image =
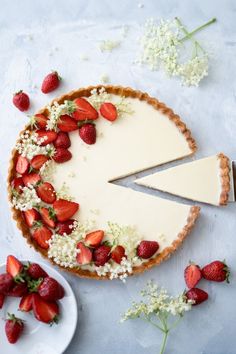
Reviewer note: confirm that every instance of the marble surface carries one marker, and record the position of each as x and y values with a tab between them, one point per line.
37	36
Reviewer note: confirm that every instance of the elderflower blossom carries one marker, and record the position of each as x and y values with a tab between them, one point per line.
48	170
115	270
64	192
30	145
55	111
109	45
194	70
27	199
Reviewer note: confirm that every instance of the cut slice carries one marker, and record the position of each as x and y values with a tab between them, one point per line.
206	180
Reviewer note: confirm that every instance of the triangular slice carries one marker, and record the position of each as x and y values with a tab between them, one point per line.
206	180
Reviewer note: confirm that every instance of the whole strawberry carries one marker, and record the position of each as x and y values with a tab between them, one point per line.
35	271
197	295
21	101
62	140
50	82
146	249
14	327
51	290
88	133
216	271
101	255
192	275
6	283
61	155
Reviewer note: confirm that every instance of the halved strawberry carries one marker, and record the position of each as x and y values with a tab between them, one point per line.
46	192
66	123
31	215
17	184
192	275
45	311
48	217
22	165
65	209
31	178
42	235
62	155
85	255
108	110
2	298
14	267
40	120
94	238
62	140
38	161
48	135
26	303
118	253
65	227
84	110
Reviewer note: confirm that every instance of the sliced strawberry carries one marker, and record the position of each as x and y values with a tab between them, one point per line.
65	227
35	271
22	165
94	238
118	254
31	178
101	255
62	155
65	209
6	283
84	110
88	133
31	215
48	217
38	161
192	275
66	123
2	298
197	295
46	192
14	267
85	255
17	184
62	140
42	235
48	135
26	303
40	120
45	311
108	111
18	290
146	249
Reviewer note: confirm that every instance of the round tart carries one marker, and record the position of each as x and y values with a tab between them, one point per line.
63	182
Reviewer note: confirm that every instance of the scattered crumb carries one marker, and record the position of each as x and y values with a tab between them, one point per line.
71	174
104	78
95	211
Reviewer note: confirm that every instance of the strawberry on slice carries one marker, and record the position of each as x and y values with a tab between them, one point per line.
65	227
62	155
88	134
66	123
65	209
17	184
118	254
22	165
35	271
46	192
18	290
62	140
216	271
42	235
192	275
21	101
48	136
101	255
14	267
197	295
13	328
31	215
85	254
146	249
83	110
38	161
108	110
94	238
45	311
26	303
2	299
50	82
51	290
48	217
6	283
39	120
31	178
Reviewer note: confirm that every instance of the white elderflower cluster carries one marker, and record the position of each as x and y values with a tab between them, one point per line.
194	70
48	170
64	192
55	111
123	107
27	199
109	45
120	271
29	145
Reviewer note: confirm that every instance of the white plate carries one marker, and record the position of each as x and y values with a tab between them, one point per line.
39	337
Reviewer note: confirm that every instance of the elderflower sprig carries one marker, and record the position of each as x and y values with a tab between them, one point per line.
159	310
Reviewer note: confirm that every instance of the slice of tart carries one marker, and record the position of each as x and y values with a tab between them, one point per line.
206	180
60	182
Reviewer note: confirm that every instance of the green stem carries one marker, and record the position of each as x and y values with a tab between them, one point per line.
164	342
154	324
190	34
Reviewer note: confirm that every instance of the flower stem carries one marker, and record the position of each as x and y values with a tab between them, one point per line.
164	342
190	34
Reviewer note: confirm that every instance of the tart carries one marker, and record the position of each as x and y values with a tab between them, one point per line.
206	180
61	182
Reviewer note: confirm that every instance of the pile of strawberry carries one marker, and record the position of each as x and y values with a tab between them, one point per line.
38	292
216	271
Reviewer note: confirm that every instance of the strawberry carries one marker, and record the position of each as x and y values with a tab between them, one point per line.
40	121
192	275
83	110
18	290
94	238
118	253
17	184
31	178
31	215
101	255
21	101
51	290
44	311
22	165
197	295
26	303
87	132
50	82
2	299
65	209
66	123
62	155
108	111
46	192
42	235
38	161
14	327
35	271
62	140
216	271
48	217
65	227
14	267
85	255
48	135
6	283
147	249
